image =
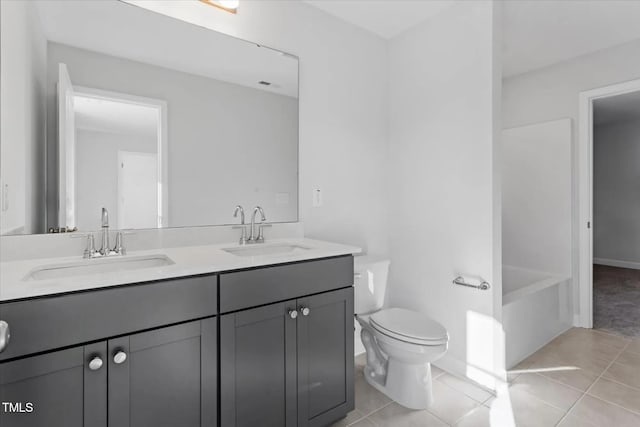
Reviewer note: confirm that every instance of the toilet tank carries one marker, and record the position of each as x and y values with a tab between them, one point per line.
370	283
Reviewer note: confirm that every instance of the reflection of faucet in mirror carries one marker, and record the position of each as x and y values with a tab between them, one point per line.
260	237
104	250
243	235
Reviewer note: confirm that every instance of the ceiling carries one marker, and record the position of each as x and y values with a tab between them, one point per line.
104	115
115	28
382	17
537	33
540	33
616	109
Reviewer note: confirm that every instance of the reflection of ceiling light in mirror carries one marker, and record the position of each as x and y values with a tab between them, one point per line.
226	5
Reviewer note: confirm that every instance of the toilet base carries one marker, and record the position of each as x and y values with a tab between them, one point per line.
407	384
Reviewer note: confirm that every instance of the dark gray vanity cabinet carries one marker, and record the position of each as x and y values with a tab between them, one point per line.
325	357
131	356
165	377
268	346
288	364
56	389
258	367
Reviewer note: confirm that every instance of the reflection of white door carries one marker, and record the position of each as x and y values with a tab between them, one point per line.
137	190
66	150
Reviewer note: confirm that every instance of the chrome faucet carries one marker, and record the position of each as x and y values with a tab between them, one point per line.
243	235
105	250
253	238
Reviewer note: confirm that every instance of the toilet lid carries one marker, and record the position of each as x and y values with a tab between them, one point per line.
409	325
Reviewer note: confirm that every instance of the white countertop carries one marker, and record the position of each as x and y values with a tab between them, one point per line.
188	261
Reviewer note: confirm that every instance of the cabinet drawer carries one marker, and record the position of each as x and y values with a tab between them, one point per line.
244	289
46	323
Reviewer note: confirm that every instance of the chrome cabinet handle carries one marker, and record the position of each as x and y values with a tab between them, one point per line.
119	357
305	311
95	363
293	313
5	334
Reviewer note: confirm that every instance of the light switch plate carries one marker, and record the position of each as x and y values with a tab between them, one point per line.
317	197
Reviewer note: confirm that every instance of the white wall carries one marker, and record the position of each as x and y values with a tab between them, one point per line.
97	172
343	110
552	93
616	203
22	116
536	197
445	199
227	144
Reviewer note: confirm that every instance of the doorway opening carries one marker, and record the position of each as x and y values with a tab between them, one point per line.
609	209
112	154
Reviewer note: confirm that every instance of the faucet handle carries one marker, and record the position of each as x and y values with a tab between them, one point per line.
261	227
243	234
90	250
119	247
105	218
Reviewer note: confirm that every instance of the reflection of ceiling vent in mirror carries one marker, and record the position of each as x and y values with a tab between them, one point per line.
230	6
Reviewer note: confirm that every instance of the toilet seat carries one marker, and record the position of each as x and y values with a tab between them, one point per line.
409	326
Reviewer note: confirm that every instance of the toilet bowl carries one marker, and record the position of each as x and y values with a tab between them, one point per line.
400	344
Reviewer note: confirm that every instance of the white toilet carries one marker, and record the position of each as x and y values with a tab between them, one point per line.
400	343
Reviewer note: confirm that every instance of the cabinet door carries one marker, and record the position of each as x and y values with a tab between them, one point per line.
167	379
60	386
325	357
258	367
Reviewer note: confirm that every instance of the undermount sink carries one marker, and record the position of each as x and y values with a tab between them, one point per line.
259	249
98	266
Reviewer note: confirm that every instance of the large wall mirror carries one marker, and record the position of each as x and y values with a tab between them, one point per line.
161	122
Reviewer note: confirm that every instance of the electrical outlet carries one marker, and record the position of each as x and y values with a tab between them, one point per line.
317	198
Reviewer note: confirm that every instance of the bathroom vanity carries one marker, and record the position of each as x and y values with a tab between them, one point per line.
268	345
157	325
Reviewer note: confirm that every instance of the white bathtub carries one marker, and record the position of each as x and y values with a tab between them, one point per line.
536	307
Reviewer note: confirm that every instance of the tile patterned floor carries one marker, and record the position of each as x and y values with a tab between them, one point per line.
583	378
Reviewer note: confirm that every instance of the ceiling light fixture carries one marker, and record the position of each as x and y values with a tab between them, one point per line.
230	6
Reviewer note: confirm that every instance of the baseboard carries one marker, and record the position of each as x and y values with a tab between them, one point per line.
617	263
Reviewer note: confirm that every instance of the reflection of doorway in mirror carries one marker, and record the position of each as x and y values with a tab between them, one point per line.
137	195
121	159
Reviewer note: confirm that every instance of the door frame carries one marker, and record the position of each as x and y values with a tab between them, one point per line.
163	143
585	193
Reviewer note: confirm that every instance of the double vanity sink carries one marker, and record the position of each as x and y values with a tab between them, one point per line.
125	263
214	335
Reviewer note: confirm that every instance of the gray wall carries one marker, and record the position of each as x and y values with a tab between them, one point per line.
616	188
97	158
228	144
22	113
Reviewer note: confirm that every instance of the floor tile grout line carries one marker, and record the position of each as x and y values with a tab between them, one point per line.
544	402
462	392
615	404
621	383
581	398
556	381
465	394
373	412
465	414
